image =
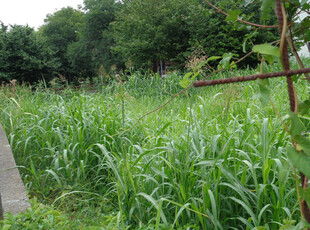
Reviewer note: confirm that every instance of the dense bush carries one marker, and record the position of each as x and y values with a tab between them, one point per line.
24	56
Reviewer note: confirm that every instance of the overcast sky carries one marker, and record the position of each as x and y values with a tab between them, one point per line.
31	12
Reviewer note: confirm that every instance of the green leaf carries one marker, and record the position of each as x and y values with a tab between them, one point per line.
233	65
305	194
303	107
6	227
305	4
297	127
267	49
303	144
225	62
185	81
284	169
299	160
213	58
266	9
155	204
269	59
246	38
233	15
194	77
264	91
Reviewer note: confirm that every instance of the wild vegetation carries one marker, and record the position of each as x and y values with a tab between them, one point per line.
108	35
215	159
224	157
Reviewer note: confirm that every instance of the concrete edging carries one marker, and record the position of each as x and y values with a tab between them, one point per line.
13	197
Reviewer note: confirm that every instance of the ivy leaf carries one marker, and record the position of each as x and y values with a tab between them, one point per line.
299	160
267	49
233	15
264	91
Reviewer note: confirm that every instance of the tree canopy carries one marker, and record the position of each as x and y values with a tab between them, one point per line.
107	34
60	30
24	56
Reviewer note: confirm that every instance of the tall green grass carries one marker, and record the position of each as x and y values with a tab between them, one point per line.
215	160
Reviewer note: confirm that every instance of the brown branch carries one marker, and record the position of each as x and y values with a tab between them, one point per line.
291	44
250	78
240	20
308	12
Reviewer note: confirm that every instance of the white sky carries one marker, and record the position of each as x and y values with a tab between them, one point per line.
31	12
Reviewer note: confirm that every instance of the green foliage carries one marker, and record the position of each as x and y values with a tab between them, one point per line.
267	49
92	51
109	34
188	79
218	34
39	216
299	160
61	29
229	172
153	30
233	15
226	63
299	156
24	56
264	91
267	7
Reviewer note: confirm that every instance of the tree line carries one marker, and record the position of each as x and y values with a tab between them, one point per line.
107	35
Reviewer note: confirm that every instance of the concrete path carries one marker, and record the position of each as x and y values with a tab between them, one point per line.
13	197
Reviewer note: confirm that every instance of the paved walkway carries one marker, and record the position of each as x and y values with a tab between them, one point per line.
13	197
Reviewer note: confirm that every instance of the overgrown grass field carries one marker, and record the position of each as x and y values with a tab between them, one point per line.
213	160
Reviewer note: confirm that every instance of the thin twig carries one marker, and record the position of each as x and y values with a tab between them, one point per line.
240	20
291	44
308	12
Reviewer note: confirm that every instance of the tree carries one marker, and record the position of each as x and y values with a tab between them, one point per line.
218	34
60	30
24	56
93	50
153	30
